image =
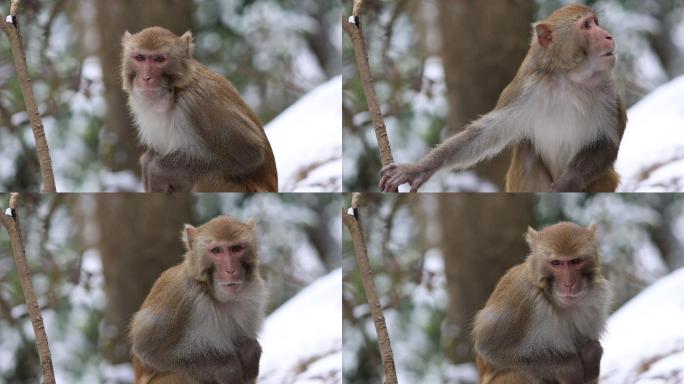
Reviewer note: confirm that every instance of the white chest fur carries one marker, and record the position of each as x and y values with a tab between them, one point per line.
219	327
564	330
164	127
563	119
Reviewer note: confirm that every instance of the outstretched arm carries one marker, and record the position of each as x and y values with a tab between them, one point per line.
483	138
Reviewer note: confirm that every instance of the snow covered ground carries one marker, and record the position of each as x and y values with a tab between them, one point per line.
644	342
302	340
307	141
651	157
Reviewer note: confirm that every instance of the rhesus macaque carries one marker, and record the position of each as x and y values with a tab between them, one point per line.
200	134
543	320
199	322
560	113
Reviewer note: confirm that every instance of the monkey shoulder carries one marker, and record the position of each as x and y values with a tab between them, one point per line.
507	311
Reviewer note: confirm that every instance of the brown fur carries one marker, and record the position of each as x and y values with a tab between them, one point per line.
157	330
241	156
502	328
560	52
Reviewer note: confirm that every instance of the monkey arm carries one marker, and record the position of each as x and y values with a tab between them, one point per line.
586	166
156	328
225	123
482	139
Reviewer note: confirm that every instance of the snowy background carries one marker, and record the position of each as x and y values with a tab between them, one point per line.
283	56
409	77
642	246
299	239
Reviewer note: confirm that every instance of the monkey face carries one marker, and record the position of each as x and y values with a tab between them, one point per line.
228	267
600	44
568	281
148	69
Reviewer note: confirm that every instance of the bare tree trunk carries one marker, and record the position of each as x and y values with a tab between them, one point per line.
482	236
483	43
120	148
139	239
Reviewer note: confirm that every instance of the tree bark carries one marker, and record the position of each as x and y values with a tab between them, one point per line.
353	223
483	44
10	220
482	237
139	239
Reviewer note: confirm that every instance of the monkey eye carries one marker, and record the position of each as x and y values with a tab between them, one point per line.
587	24
596	21
159	59
215	250
575	261
555	263
236	248
139	57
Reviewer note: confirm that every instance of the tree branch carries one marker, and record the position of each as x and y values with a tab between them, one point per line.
10	26
10	220
353	29
352	222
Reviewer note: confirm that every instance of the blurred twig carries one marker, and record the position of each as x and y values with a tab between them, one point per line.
10	26
10	220
353	224
353	28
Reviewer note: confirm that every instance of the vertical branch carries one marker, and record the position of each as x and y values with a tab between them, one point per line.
10	26
353	28
352	222
10	220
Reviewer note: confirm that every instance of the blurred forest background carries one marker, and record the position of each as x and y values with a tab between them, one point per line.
94	258
274	52
437	257
439	64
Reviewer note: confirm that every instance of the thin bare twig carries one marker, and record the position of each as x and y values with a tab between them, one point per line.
353	29
10	220
351	221
10	26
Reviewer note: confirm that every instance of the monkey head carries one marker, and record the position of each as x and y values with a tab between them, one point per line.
571	40
155	61
222	254
564	261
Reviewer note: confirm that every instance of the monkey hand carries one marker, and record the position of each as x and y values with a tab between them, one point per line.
590	354
160	177
393	175
569	182
249	354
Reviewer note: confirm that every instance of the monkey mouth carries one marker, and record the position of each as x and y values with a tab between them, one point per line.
231	286
569	299
609	53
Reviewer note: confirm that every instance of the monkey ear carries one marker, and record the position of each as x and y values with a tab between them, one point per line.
531	235
188	236
592	228
187	41
544	35
125	38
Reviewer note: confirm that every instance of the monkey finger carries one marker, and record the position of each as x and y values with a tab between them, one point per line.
382	182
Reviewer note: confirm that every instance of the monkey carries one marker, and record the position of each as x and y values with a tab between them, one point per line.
560	113
199	323
543	321
200	134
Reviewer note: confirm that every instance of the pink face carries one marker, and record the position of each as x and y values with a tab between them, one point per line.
601	43
568	283
229	270
149	68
